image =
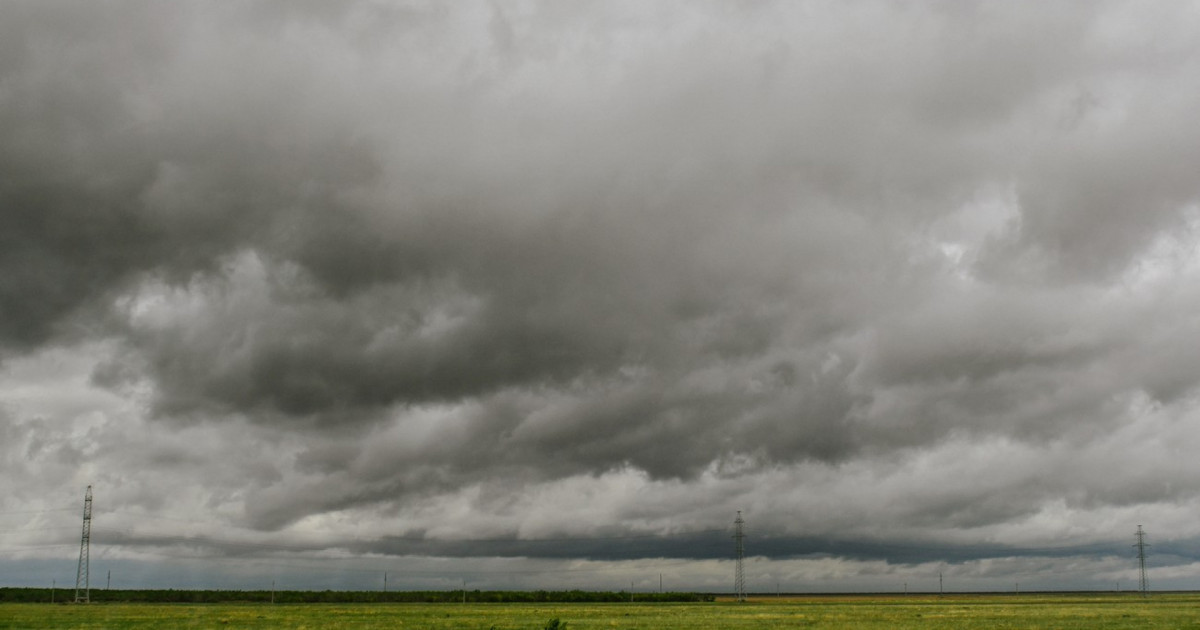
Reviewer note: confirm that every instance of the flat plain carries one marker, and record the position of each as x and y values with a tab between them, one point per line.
1056	611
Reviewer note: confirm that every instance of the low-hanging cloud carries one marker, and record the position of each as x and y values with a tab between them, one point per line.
401	258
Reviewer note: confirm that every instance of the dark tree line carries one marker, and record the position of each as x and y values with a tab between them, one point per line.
173	596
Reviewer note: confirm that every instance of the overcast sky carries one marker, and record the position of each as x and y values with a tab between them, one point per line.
543	293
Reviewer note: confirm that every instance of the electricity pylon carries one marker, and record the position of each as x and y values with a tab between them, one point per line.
1141	545
83	589
739	547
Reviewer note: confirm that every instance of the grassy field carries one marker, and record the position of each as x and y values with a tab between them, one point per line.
867	612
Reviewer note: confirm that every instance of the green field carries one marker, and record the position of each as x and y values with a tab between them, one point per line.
865	612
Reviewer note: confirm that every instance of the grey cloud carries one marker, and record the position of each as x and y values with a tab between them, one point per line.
412	248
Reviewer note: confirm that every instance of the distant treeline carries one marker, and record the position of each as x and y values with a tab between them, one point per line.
167	596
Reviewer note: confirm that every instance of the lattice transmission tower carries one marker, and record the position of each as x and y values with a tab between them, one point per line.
83	589
739	551
1141	544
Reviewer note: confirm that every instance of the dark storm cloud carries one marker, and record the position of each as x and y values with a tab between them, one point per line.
110	173
704	545
412	251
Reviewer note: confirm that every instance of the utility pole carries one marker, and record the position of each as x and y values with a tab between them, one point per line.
1141	545
82	575
739	550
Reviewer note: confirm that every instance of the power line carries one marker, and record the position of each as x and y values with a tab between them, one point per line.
23	548
127	537
242	544
35	529
428	539
355	565
835	547
7	512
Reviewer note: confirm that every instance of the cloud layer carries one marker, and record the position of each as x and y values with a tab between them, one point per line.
379	272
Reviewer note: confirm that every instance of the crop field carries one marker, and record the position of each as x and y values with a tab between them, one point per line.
865	612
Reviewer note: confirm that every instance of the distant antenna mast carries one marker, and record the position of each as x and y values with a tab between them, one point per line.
739	550
1141	545
83	589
